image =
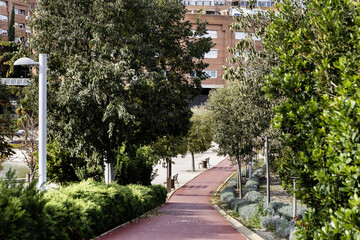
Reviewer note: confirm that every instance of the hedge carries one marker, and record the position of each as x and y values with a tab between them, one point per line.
276	217
78	211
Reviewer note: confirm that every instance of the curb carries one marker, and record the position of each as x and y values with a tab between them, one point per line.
250	235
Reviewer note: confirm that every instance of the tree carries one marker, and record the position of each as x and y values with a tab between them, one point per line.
11	32
166	148
27	120
5	122
118	72
241	111
200	135
316	45
237	120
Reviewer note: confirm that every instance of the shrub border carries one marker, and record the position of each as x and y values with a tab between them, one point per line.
235	223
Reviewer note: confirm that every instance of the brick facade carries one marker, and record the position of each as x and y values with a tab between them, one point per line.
22	12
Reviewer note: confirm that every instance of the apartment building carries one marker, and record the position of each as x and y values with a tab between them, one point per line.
219	15
22	12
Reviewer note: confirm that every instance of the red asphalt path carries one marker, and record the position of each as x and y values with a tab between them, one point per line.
187	215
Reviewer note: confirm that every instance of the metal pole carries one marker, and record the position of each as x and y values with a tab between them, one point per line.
42	121
294	200
267	171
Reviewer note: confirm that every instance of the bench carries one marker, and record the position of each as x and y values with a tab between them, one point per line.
173	181
205	162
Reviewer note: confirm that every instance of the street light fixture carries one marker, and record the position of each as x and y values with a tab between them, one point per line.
42	112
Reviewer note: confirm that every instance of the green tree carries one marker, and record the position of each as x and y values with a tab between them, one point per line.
5	123
166	148
118	72
237	120
241	111
316	44
11	32
201	134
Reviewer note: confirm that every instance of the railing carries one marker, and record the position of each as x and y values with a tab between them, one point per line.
16	81
206	3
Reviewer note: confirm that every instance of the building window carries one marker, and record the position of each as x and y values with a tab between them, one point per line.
240	35
3	18
2	4
211	73
22	12
16	11
3	32
212	54
20	25
212	34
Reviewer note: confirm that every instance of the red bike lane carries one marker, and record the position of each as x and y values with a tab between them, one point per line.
187	215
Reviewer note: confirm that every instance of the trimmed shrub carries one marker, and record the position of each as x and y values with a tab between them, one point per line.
78	211
280	226
248	211
259	172
89	208
22	210
238	203
276	205
254	181
250	188
227	195
232	182
283	228
253	196
287	211
269	222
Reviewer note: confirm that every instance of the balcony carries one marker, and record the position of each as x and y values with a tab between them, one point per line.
16	81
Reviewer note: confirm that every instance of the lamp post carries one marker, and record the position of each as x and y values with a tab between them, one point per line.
42	112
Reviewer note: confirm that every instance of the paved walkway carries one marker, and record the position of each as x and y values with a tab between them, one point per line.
187	215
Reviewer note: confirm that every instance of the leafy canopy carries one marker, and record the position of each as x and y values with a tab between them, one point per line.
118	71
317	48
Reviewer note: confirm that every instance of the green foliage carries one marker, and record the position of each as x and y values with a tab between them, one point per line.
22	210
9	53
118	72
61	166
201	134
78	211
137	168
11	31
89	208
5	123
318	52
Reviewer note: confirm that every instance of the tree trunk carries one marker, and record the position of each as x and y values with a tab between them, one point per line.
168	179
109	163
109	172
193	161
239	177
267	171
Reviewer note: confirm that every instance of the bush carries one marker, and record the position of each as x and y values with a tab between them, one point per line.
248	211
78	211
250	188
90	208
254	181
253	196
22	210
238	203
259	172
283	228
276	205
287	211
227	195
280	226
